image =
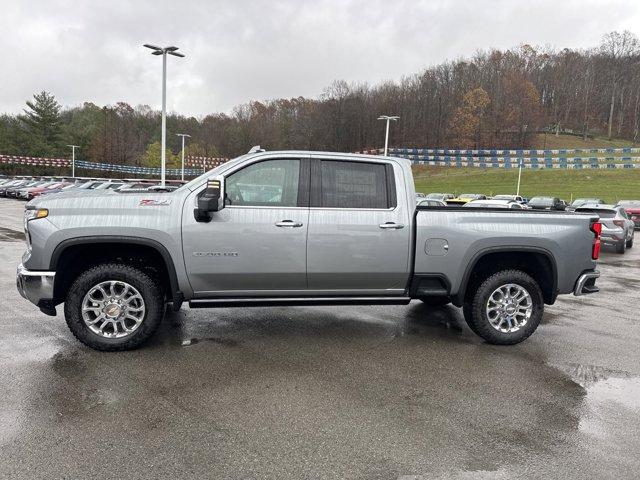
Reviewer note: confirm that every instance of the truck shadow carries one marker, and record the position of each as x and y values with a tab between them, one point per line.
231	327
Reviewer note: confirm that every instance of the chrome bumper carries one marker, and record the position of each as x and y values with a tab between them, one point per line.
37	287
587	283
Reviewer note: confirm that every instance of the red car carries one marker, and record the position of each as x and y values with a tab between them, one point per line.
37	191
632	207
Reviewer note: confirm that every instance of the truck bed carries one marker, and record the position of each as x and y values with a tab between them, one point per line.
450	240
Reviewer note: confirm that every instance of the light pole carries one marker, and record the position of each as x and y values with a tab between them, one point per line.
164	51
73	159
386	136
519	174
183	135
524	132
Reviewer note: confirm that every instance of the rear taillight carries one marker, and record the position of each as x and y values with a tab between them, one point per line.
618	223
596	228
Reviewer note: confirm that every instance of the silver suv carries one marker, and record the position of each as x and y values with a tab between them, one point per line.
617	227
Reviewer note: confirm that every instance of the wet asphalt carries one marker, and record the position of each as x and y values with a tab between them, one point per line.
324	392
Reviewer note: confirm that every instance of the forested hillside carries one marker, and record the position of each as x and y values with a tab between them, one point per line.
494	99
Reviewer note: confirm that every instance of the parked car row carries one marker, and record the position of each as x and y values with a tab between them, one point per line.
28	188
618	221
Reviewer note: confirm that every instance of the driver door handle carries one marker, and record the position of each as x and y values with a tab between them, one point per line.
391	225
289	223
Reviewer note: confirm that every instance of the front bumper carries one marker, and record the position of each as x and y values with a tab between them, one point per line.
36	286
587	283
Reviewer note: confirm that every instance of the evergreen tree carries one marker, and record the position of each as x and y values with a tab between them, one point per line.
42	121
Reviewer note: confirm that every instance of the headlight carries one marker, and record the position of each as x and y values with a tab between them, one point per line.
32	214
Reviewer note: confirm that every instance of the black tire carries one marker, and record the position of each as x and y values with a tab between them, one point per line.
621	247
630	242
149	290
475	312
435	301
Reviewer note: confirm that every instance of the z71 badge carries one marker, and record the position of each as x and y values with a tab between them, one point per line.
151	202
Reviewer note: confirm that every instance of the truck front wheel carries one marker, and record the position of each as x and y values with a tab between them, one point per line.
114	307
505	308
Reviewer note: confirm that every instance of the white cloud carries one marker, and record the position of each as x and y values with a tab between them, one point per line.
243	50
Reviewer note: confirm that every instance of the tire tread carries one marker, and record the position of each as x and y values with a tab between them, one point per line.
143	282
474	307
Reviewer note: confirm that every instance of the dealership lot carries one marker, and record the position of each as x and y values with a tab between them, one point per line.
324	392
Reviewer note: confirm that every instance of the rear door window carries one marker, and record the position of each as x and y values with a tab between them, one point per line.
355	185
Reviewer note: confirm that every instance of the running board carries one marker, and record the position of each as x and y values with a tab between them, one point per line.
296	301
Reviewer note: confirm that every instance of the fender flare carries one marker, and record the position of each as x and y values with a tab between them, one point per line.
176	295
458	299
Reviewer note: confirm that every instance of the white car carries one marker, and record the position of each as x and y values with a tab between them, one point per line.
495	203
515	198
431	202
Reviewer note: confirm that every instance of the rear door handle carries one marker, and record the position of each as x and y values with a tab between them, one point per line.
288	223
391	226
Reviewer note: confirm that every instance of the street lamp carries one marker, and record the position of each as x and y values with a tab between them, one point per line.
386	137
183	135
521	160
164	51
73	159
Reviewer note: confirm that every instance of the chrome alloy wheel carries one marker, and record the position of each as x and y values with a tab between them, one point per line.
113	309
509	308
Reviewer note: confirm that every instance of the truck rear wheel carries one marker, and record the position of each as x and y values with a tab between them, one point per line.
114	307
505	308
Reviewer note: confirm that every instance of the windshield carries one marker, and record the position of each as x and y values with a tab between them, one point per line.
503	197
215	171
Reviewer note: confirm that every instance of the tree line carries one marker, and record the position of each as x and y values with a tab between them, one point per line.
495	98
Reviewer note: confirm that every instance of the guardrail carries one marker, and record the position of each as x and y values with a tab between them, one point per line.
199	163
533	159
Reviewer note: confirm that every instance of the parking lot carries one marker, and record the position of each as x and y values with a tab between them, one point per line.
324	392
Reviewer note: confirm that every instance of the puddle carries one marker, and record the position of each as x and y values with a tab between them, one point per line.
8	235
612	400
588	375
609	403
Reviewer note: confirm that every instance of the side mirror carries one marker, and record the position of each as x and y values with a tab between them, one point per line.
210	200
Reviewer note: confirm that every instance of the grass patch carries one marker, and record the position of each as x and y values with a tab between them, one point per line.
610	185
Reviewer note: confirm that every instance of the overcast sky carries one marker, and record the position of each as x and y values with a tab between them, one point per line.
254	50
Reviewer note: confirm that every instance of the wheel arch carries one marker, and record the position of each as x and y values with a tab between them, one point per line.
109	247
536	261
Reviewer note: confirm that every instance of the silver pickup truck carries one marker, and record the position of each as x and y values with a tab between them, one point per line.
296	228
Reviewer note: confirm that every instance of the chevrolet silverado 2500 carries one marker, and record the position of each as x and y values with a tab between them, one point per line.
296	228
